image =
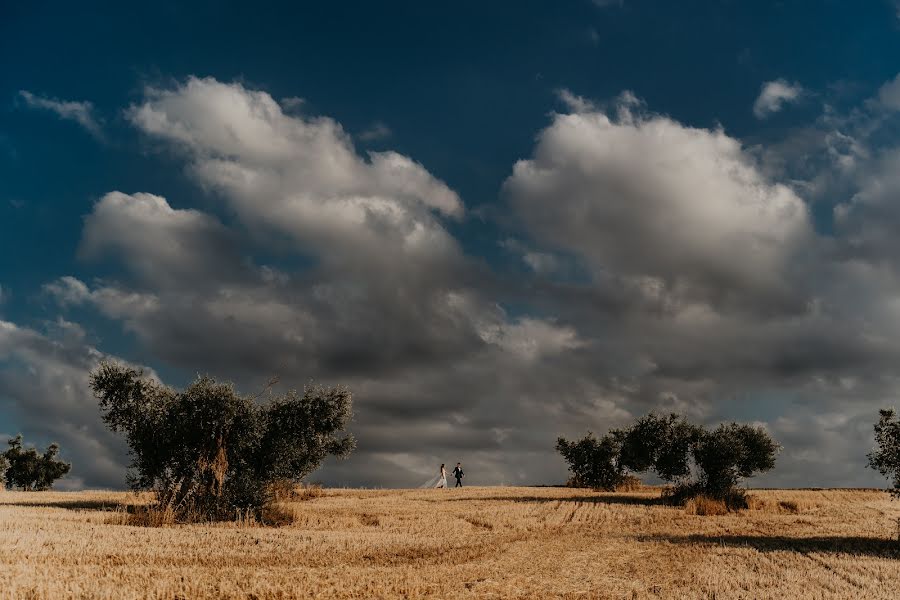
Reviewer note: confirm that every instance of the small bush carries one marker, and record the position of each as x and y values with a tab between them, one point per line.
705	506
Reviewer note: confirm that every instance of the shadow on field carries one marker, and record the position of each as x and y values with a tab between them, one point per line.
73	505
859	546
617	499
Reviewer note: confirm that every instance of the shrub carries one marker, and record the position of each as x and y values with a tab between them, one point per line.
211	454
29	470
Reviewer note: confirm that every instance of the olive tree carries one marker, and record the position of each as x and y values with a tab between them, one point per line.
29	470
730	453
208	451
593	462
885	457
660	443
695	460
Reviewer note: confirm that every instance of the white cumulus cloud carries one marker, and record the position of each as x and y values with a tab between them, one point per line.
302	177
644	196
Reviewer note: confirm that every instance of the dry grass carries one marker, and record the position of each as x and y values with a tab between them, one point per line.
469	543
705	507
288	491
630	483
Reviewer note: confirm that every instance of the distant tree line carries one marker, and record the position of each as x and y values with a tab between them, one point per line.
695	460
28	470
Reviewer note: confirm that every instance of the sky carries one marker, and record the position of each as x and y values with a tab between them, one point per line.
496	222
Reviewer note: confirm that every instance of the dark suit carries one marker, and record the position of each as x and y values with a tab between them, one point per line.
457	472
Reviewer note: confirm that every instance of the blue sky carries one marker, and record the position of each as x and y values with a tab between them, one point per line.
622	309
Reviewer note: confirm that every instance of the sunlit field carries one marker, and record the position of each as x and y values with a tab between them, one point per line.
469	543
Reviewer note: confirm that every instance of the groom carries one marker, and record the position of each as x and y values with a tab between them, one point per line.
458	473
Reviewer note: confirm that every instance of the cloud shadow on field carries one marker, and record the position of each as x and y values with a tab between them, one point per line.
853	545
71	504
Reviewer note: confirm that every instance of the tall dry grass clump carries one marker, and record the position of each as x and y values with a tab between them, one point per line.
151	516
705	506
776	506
285	490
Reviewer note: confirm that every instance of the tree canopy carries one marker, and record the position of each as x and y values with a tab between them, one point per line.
29	470
210	451
593	462
661	443
698	461
885	457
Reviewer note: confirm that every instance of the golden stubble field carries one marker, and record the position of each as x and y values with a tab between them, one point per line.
471	543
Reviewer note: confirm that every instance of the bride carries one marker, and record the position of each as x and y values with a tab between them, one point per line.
442	478
438	481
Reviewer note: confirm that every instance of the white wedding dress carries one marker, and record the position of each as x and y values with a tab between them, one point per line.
438	481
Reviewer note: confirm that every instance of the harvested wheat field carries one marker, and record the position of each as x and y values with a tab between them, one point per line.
469	543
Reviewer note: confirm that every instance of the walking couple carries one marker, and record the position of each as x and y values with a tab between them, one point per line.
457	473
